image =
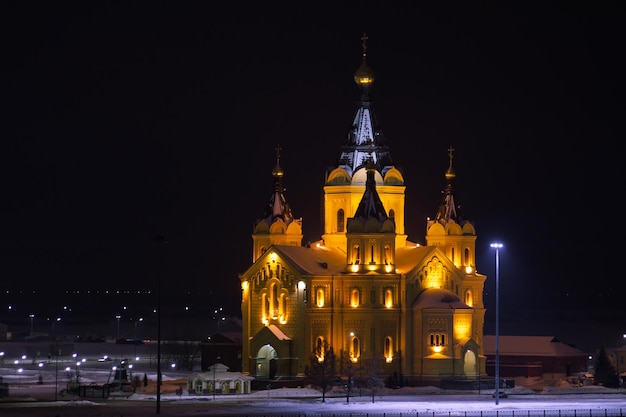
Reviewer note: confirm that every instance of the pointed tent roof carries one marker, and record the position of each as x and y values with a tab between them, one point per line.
371	206
277	206
365	140
448	209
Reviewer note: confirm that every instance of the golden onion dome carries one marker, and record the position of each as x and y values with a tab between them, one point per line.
450	174
277	171
364	75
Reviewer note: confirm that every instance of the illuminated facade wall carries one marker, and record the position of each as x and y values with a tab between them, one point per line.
377	298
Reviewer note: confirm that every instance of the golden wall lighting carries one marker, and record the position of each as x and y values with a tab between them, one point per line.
469	269
388	298
437	349
354	298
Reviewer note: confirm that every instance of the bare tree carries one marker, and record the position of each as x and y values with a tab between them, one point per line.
348	370
373	381
321	369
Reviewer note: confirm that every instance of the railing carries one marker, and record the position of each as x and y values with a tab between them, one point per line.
604	412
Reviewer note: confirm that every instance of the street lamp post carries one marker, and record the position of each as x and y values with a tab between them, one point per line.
161	242
57	320
140	319
118	317
32	317
136	340
497	247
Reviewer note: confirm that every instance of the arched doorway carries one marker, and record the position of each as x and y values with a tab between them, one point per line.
266	362
469	363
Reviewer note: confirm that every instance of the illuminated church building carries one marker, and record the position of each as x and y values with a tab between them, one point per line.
365	290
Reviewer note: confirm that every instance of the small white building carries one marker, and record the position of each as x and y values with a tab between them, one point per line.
219	380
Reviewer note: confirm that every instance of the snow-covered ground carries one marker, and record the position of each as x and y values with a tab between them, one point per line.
27	398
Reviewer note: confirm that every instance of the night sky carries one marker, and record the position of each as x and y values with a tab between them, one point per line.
123	121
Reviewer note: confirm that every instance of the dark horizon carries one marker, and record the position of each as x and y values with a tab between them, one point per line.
191	315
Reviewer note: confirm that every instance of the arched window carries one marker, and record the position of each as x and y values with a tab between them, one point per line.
355	298
469	299
265	308
388	298
437	339
356	253
319	349
282	308
466	261
388	349
386	255
274	300
340	220
320	297
355	349
452	254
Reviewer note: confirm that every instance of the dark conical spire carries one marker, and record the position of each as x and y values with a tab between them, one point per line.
277	206
448	209
371	205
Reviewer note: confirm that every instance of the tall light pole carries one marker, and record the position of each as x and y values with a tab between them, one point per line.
32	317
118	317
57	320
140	319
136	340
497	247
161	241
